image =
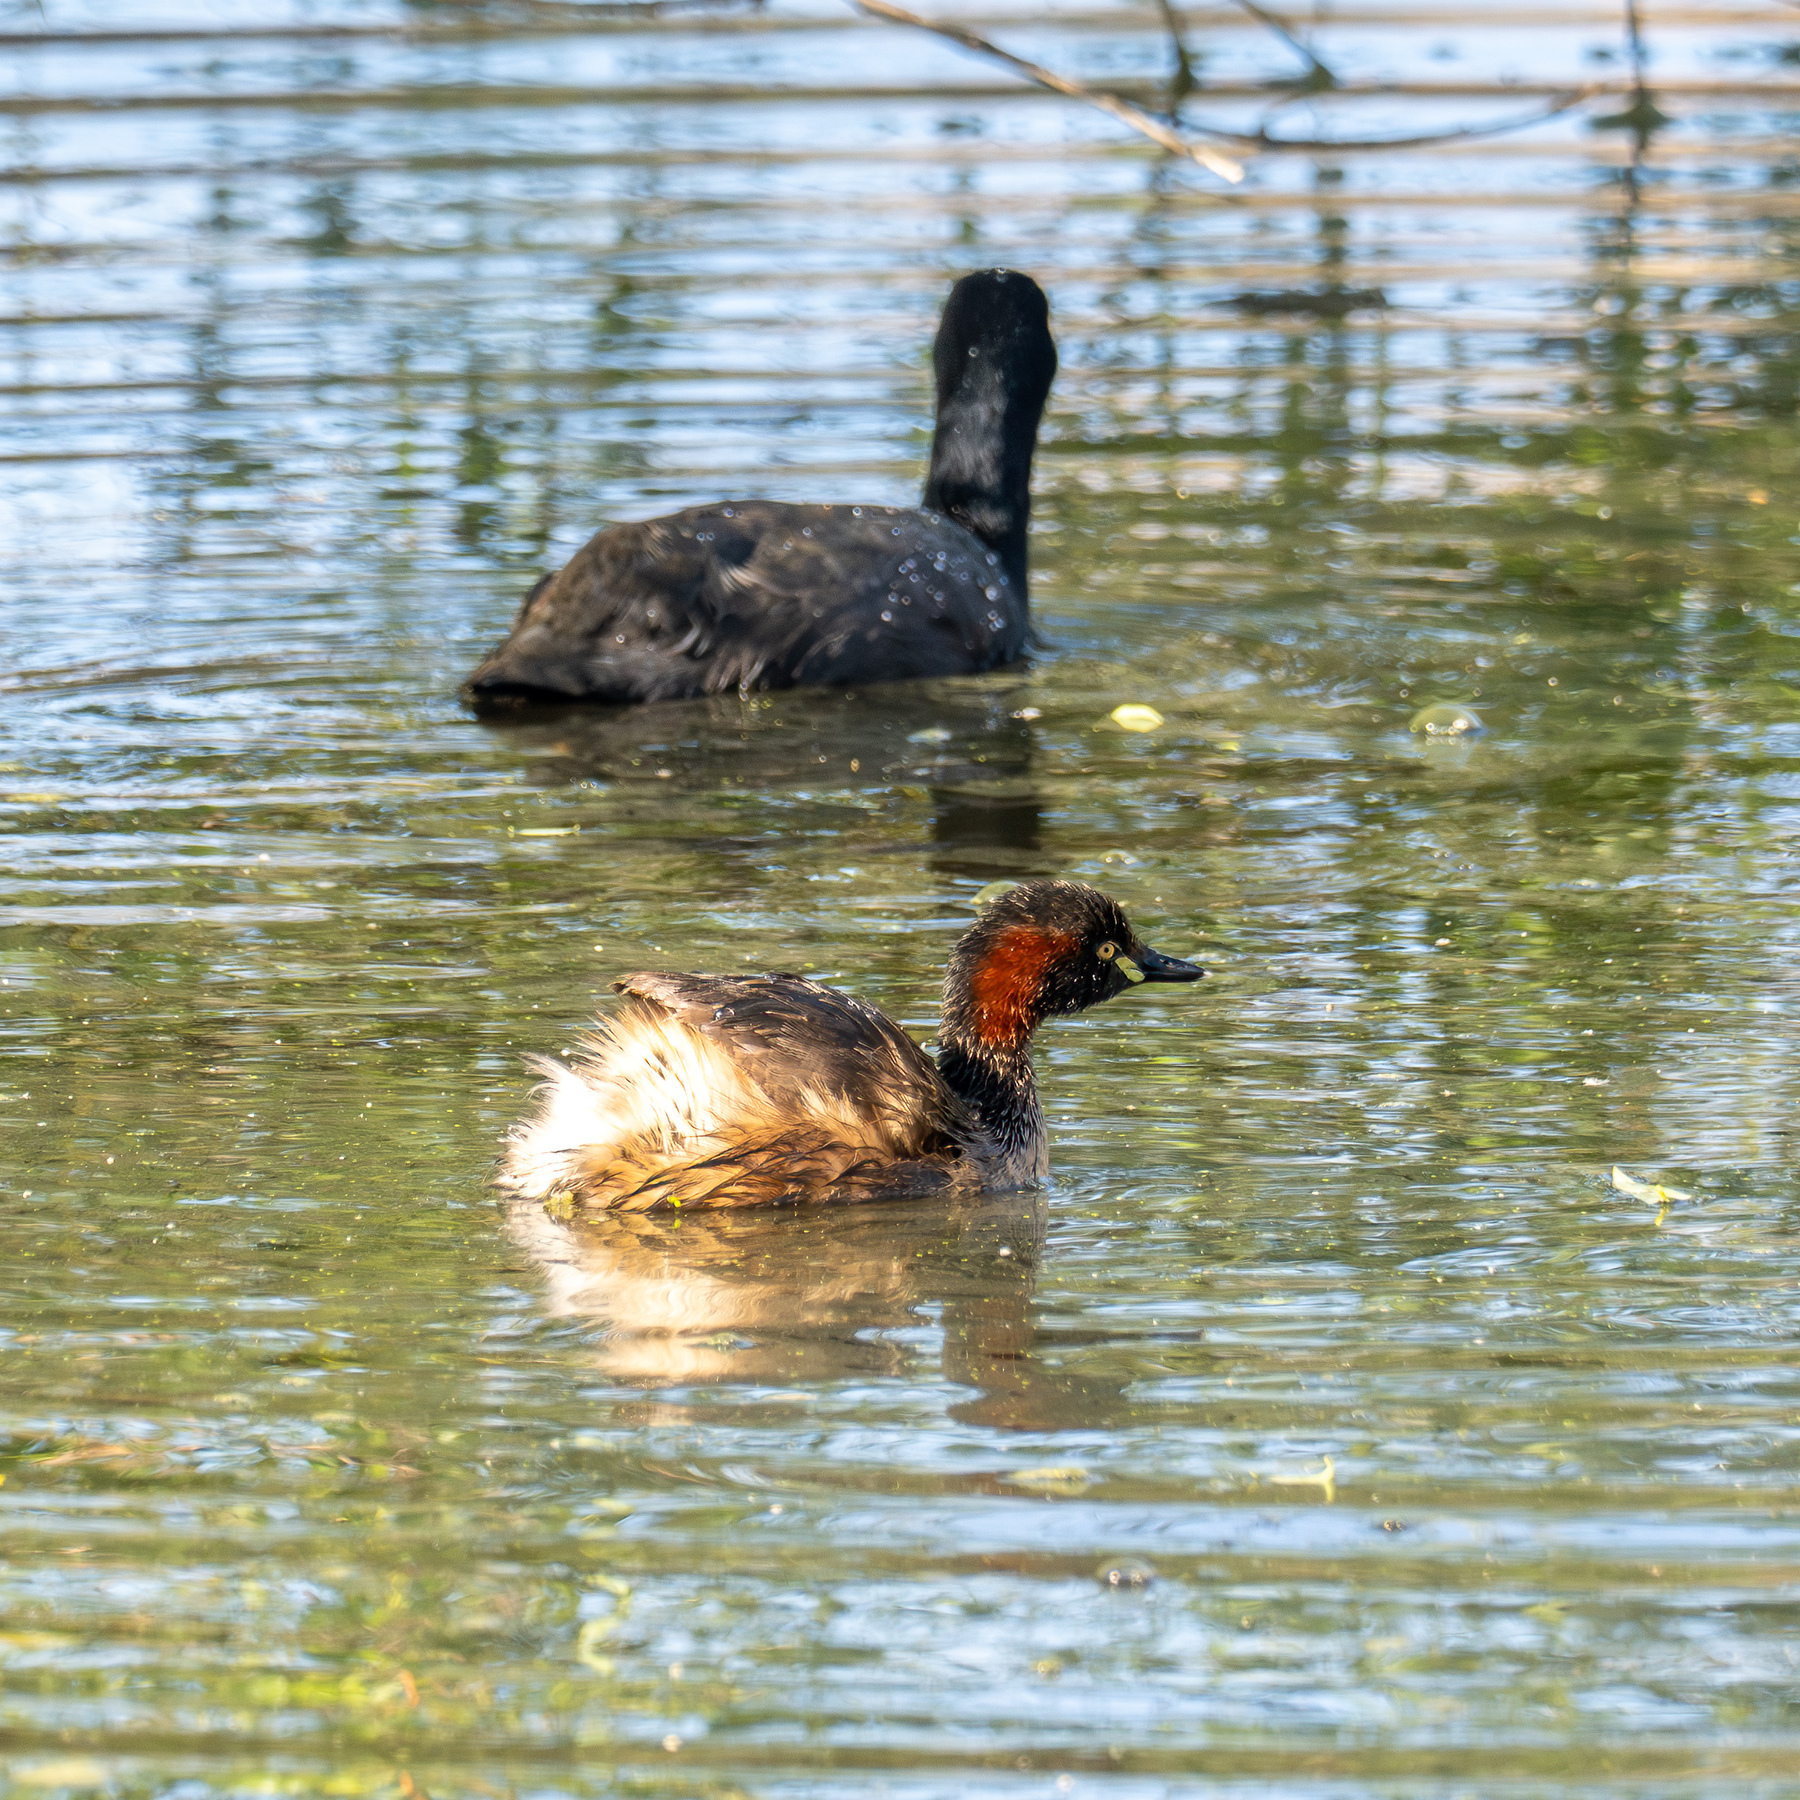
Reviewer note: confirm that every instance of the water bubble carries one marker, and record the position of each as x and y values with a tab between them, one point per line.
1449	718
1126	1572
988	895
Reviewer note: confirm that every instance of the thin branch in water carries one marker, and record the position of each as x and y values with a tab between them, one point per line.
1317	75
1261	140
1123	110
1257	140
573	10
1182	82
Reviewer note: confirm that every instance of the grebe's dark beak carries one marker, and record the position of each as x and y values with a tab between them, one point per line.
1157	967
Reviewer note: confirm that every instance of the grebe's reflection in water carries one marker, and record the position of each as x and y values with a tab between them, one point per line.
816	1295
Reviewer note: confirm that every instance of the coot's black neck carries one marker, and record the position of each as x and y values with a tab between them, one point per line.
995	359
998	1086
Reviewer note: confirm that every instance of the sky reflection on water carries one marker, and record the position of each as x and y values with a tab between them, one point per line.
1458	1468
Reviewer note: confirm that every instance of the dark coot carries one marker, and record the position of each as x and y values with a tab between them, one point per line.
753	594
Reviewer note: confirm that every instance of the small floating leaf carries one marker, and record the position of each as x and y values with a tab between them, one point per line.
1136	718
1060	1480
932	734
1325	1481
1646	1190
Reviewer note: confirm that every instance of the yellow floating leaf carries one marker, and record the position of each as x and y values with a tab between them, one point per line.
1136	718
1064	1479
1325	1480
1646	1190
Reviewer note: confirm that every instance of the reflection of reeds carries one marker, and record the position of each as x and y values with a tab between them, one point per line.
1182	81
1319	79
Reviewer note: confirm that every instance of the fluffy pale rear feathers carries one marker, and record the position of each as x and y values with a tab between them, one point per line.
738	1091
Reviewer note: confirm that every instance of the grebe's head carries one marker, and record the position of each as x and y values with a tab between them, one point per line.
1042	948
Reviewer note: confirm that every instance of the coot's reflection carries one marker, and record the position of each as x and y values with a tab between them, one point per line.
959	742
818	1295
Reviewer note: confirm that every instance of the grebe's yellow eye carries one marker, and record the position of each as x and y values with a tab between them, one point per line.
1107	952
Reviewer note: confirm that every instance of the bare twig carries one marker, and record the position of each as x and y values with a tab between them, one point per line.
1261	140
599	9
1252	140
1318	76
1181	83
1123	110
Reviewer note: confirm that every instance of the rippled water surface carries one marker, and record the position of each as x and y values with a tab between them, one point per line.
1334	1424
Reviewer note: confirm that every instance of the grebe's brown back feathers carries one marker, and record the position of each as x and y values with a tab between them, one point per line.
798	1040
740	1090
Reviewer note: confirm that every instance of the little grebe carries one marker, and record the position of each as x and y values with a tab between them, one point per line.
761	594
738	1090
